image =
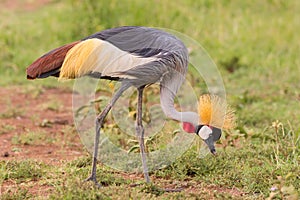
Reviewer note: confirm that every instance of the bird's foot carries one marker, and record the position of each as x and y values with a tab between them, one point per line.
93	178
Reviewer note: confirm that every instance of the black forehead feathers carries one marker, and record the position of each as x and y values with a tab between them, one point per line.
197	129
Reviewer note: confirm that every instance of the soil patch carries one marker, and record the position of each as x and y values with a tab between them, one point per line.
38	124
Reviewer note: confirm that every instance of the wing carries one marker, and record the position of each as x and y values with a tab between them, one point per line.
141	41
114	53
96	56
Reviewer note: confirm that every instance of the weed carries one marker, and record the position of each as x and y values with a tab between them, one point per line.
287	145
32	138
53	105
33	91
153	189
12	111
5	128
69	136
34	118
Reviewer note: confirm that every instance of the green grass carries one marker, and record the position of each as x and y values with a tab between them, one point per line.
21	171
52	104
32	138
255	45
5	128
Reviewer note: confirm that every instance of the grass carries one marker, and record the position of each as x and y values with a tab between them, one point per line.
32	138
5	128
21	171
52	104
255	46
11	111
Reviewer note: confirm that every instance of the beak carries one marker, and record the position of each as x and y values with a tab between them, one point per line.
210	143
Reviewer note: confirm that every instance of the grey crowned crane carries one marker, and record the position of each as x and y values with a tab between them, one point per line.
136	57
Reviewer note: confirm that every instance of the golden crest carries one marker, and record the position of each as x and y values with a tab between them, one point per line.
215	112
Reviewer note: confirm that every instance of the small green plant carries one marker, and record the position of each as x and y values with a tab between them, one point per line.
5	128
69	135
287	145
12	111
33	90
152	189
53	105
135	147
34	117
32	138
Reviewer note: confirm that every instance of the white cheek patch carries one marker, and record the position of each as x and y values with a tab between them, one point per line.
204	132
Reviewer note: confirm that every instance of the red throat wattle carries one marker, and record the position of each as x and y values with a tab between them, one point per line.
188	127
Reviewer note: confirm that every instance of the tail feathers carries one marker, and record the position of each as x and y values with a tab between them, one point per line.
50	63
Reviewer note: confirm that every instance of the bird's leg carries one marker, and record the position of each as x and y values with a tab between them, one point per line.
99	122
140	132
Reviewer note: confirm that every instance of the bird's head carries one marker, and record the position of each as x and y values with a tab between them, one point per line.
214	115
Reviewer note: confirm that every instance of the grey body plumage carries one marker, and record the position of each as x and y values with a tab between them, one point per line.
148	42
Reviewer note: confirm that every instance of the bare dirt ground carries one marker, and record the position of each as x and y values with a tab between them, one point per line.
48	111
28	113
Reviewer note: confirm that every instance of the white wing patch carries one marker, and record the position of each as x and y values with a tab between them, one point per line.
95	55
113	60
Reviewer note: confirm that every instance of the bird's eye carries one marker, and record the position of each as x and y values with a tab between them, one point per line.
204	132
